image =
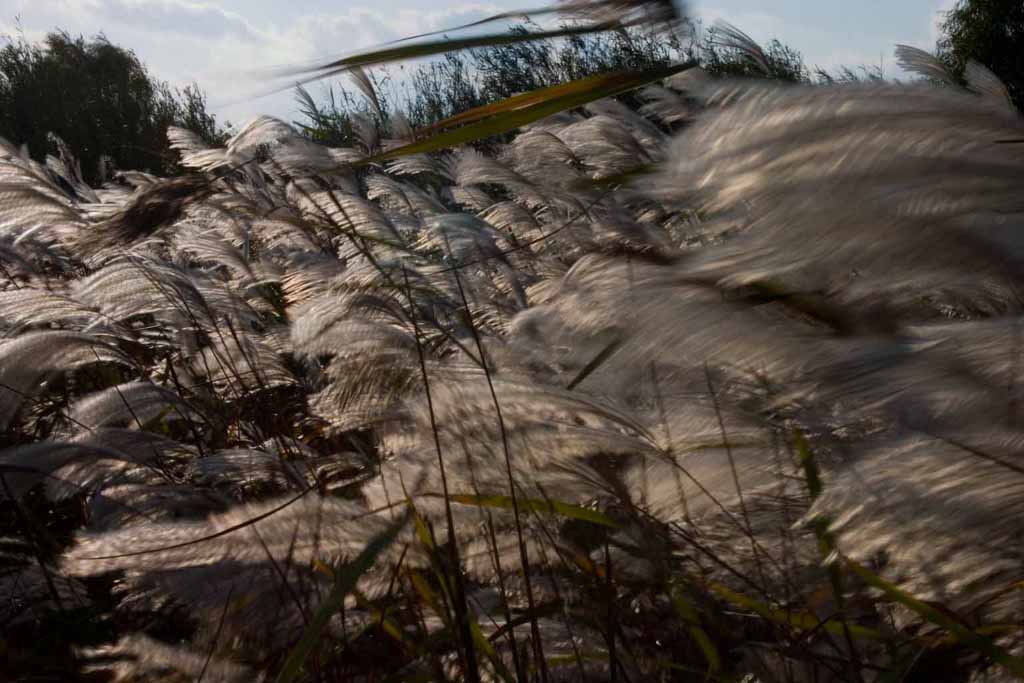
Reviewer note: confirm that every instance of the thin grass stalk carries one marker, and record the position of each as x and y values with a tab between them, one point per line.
283	575
196	437
498	569
131	411
735	475
669	452
283	446
585	211
208	537
364	250
469	663
216	635
192	318
613	662
524	558
29	532
821	627
788	546
500	573
516	659
828	547
725	511
566	565
345	579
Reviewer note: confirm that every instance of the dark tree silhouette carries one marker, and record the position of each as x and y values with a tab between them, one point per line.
991	32
97	97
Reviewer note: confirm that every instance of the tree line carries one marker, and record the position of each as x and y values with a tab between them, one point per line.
102	101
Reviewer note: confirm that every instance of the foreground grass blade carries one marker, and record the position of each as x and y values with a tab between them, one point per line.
692	620
525	13
801	621
594	364
826	540
960	633
516	102
545	102
963	635
435	47
501	16
505	502
345	579
483	645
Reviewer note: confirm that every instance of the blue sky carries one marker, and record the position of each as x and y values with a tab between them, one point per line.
224	44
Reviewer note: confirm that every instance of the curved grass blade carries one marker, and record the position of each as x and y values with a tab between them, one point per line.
516	102
483	645
595	363
826	540
800	621
345	579
386	54
501	16
505	502
526	13
692	620
964	635
633	175
526	110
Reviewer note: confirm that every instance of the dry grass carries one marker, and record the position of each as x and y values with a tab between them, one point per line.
383	414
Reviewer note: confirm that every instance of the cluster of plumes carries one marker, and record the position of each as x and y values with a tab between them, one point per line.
247	374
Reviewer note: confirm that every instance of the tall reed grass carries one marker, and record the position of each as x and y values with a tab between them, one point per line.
720	389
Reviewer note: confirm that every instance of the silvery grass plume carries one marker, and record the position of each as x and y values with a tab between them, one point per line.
693	418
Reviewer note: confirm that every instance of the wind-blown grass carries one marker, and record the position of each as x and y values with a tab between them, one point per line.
393	413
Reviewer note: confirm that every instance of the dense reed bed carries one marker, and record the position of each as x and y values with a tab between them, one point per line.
720	388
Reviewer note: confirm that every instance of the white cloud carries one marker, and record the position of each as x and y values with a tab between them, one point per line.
175	17
183	41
